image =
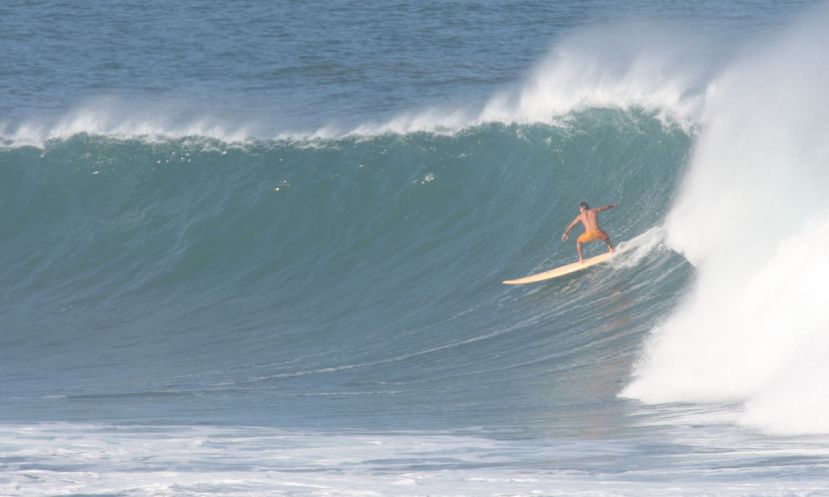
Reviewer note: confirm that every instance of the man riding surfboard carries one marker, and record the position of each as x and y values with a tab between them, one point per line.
592	233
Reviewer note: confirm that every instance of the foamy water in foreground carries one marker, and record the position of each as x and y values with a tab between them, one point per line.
66	459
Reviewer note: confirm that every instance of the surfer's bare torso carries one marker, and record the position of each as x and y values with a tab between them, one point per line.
590	220
592	232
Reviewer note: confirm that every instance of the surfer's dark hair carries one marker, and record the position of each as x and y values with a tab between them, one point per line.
584	204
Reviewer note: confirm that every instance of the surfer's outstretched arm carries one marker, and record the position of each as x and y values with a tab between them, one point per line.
570	226
605	207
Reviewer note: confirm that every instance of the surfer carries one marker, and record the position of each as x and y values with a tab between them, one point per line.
592	233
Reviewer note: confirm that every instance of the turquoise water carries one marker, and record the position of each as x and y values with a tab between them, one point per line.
257	249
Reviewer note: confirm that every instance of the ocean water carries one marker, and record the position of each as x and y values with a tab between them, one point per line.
256	248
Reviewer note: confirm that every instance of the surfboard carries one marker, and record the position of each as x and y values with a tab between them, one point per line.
563	270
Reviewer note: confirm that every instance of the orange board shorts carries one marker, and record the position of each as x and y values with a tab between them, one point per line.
593	236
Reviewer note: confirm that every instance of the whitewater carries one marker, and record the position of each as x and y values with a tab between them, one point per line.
257	250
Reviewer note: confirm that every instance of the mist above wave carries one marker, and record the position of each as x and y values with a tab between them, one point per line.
657	69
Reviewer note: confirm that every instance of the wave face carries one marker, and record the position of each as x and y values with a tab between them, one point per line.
338	274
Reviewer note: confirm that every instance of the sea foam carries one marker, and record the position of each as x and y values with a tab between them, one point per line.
753	216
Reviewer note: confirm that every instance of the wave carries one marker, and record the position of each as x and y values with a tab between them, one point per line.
182	221
289	274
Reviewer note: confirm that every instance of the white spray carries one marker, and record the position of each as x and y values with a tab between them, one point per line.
753	216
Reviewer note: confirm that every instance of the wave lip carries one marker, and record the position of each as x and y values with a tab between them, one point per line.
114	118
595	69
626	66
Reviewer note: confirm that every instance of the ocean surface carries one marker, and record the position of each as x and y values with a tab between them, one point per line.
256	248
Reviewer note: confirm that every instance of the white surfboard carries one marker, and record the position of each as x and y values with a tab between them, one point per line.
563	270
